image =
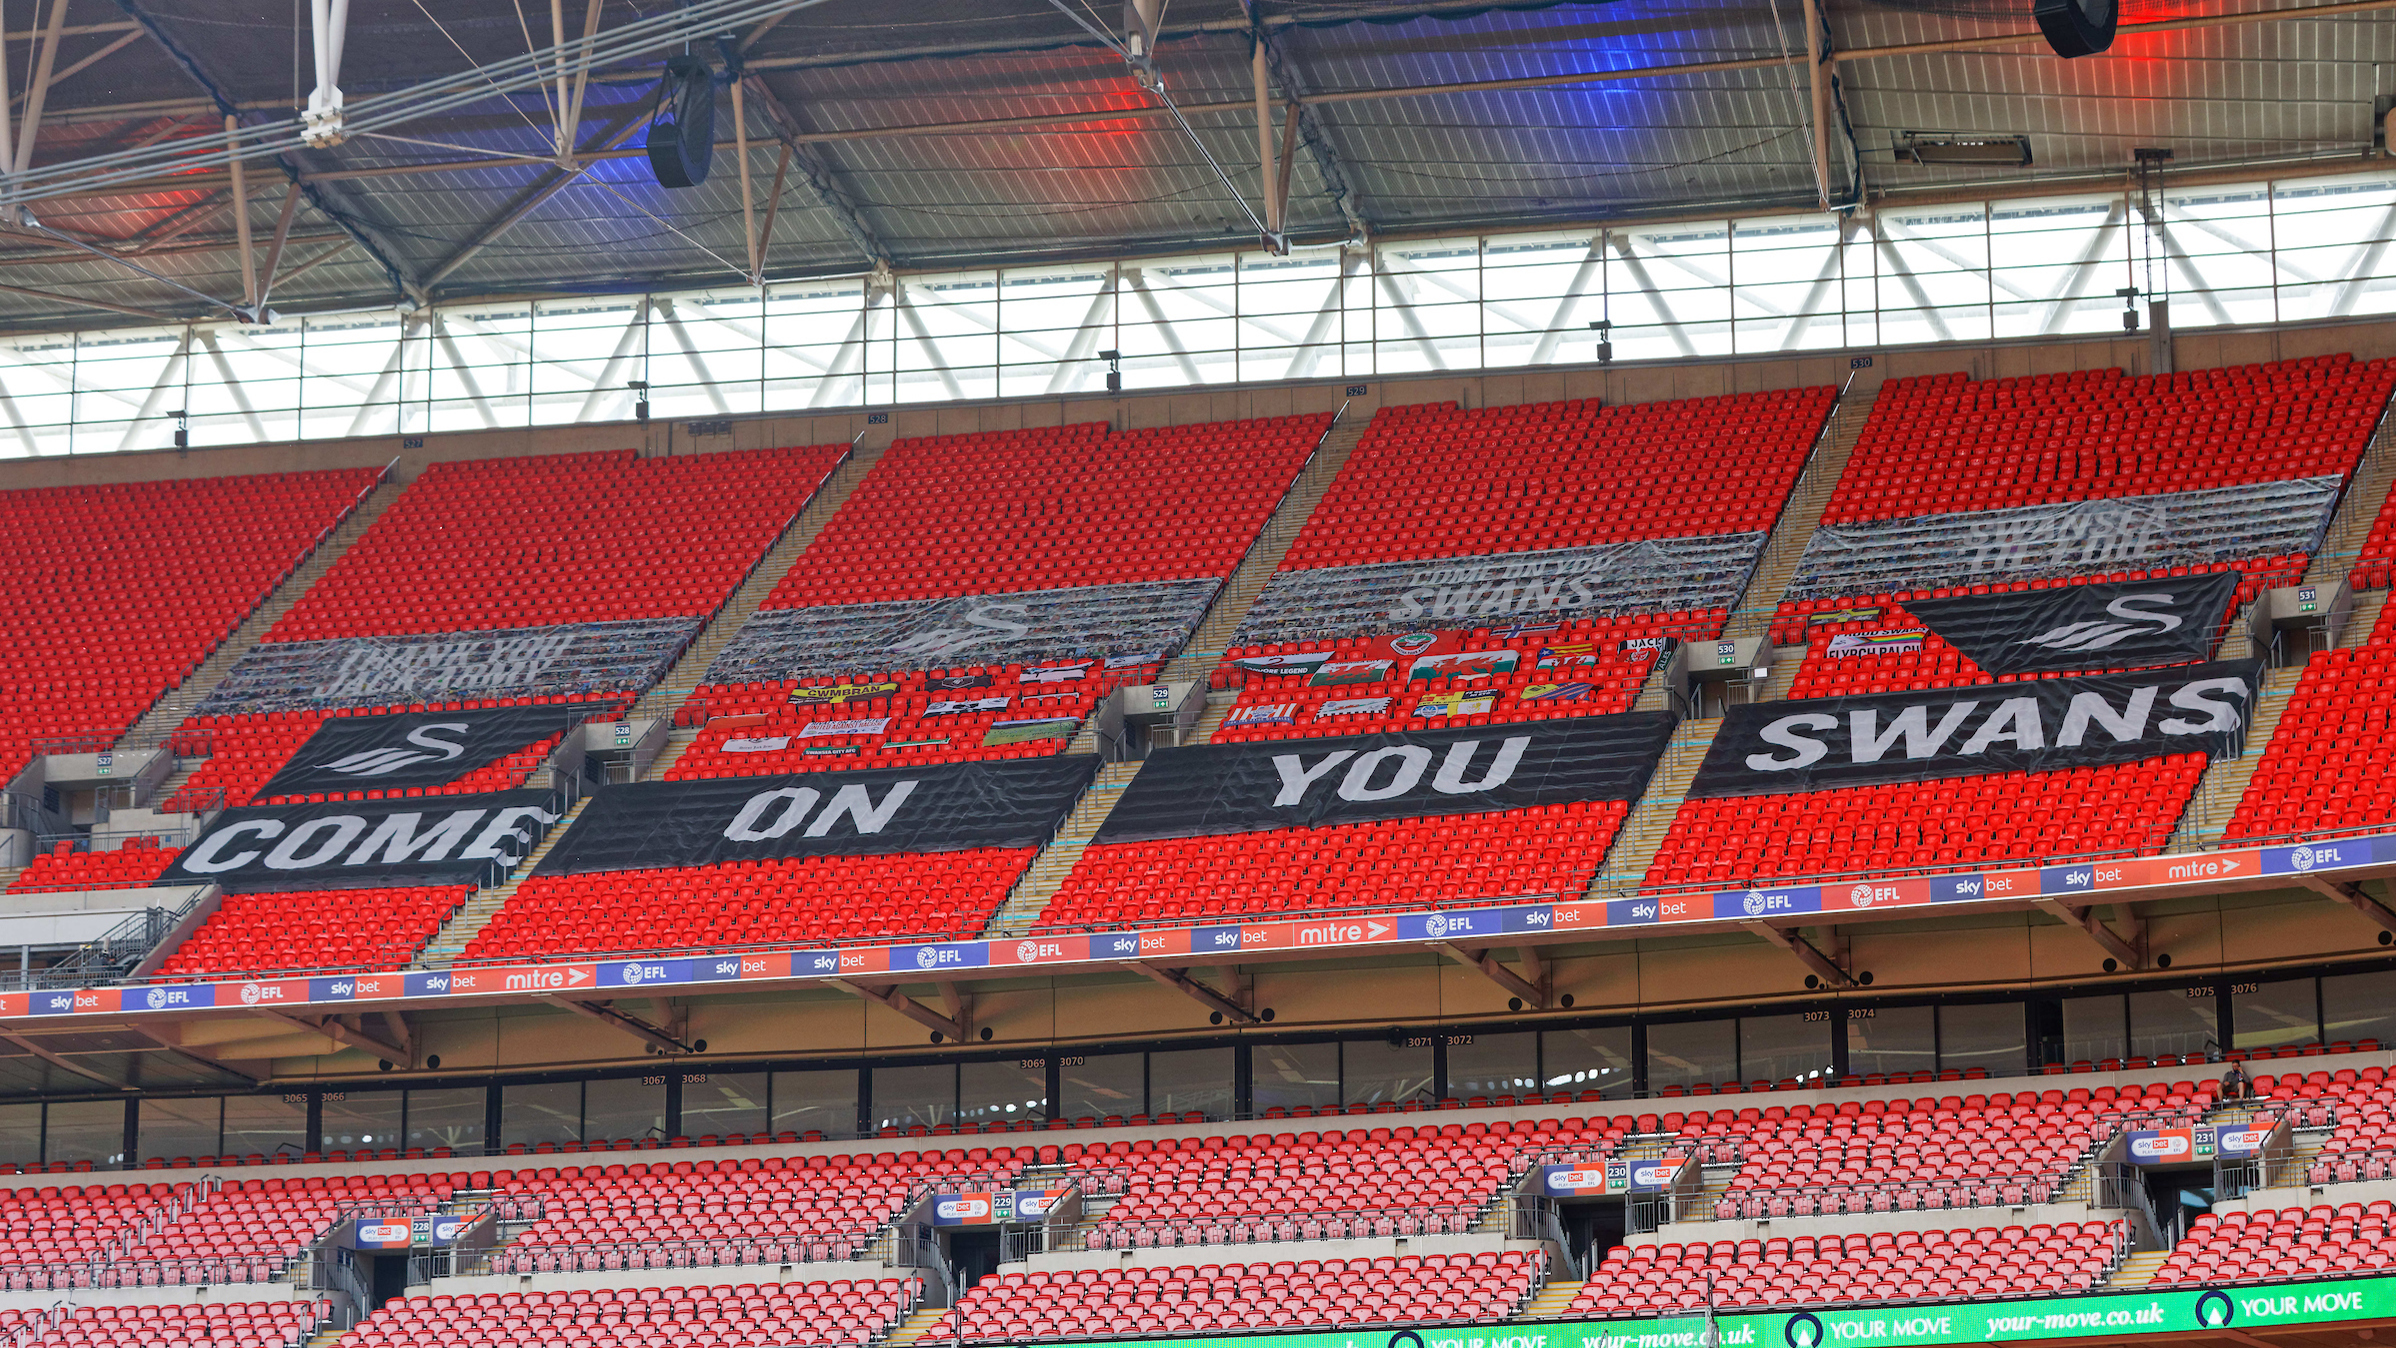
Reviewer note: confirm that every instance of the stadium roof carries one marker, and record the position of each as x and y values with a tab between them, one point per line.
929	134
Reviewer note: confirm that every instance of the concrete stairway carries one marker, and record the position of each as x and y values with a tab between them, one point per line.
2215	800
1218	706
1552	1301
173	709
1223	617
2350	527
914	1327
691	667
1049	869
677	741
1753	614
476	912
1651	818
2137	1271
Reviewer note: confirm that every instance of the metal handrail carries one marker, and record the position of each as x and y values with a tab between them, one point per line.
1105	1233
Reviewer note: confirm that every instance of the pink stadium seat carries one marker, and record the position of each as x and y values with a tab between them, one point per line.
1983	1263
840	1311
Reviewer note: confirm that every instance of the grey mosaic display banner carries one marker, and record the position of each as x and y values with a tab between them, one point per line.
1129	624
2073	538
451	666
1703	571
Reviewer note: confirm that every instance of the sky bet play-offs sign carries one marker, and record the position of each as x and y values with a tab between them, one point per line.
2083	1317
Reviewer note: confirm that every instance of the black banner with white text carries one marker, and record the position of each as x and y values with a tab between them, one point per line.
343	845
2119	625
1275	784
703	821
1774	748
413	749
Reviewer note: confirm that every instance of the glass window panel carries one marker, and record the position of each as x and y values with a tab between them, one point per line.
1893	1039
1685	1053
1007	1091
1541	294
172	1128
1670	292
1994	1035
1493	1064
619	1109
1056	323
1194	1078
1596	1059
1290	1075
21	1134
2219	240
2360	1006
2094	1028
86	1130
2332	237
358	1119
723	1103
1289	315
816	1102
451	1116
2053	259
1785	1048
550	1112
2286	1012
2174	1020
1934	274
1102	1085
1374	1070
262	1125
907	1096
1787	271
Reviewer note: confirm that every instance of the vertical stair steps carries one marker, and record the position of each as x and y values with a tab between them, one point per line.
1205	647
476	912
1049	869
1753	614
690	668
1651	817
1552	1300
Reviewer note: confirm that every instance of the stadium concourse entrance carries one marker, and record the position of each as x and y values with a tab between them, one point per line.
1591	1226
973	1253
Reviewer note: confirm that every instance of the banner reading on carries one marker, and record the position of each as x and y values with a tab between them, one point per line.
951	807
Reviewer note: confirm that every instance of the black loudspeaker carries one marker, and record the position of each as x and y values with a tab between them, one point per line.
682	136
2078	27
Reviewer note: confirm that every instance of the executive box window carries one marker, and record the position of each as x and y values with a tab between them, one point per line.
2175	1020
1592	1059
1102	1085
21	1134
906	1097
1990	1035
451	1117
1290	1075
721	1104
2267	1015
822	1101
1375	1070
191	1128
623	1109
2095	1028
1688	1052
1194	1078
262	1125
1894	1039
1786	1048
548	1112
368	1120
2360	1006
1008	1091
86	1130
1492	1064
